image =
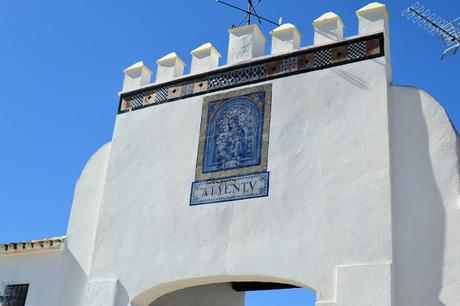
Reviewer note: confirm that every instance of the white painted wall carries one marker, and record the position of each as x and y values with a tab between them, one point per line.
425	184
84	216
43	272
55	278
329	203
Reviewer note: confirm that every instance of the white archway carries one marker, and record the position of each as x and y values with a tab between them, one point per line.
150	295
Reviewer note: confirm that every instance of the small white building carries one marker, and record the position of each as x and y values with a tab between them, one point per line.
305	167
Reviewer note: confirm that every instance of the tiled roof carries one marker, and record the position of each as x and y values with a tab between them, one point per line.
33	246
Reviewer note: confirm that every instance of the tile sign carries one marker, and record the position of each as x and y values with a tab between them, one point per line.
233	147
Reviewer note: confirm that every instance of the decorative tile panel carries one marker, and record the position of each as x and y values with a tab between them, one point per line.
137	100
234	133
225	79
273	67
233	146
373	47
357	50
187	89
161	94
305	61
200	86
174	92
149	98
289	64
323	58
125	105
339	54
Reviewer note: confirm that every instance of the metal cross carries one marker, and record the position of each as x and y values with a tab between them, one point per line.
251	11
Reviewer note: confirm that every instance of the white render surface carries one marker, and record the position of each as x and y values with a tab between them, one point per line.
373	18
426	220
49	275
204	58
101	293
136	76
245	43
285	38
363	204
328	28
169	67
84	215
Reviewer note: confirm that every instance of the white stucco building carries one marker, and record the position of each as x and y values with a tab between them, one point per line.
305	167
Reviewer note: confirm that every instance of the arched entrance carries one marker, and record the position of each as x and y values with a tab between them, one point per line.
228	291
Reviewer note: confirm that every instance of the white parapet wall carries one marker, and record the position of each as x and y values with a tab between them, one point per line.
374	18
245	43
136	75
285	38
328	28
204	58
169	67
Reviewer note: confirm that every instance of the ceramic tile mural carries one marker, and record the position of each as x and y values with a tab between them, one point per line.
234	138
234	133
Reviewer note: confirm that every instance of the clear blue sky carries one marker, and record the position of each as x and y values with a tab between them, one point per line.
61	68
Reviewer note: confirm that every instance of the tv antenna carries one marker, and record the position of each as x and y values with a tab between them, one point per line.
448	31
251	11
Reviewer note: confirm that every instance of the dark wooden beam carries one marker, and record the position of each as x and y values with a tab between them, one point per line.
256	286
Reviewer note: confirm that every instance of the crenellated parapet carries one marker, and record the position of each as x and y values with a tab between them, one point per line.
33	246
247	63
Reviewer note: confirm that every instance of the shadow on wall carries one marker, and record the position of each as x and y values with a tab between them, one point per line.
122	298
351	78
74	281
418	212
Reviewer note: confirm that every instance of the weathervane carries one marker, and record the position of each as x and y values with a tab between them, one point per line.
435	25
251	11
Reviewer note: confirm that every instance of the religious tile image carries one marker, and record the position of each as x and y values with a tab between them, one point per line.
234	133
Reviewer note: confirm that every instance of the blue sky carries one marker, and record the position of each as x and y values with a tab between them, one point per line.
284	297
61	69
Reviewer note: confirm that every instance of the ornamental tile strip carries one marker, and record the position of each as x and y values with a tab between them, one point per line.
258	70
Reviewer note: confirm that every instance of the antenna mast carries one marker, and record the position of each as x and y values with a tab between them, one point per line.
448	31
251	11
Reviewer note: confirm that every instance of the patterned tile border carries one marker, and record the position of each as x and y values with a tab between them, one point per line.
301	61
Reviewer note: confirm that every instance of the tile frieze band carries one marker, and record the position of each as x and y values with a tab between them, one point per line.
301	61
